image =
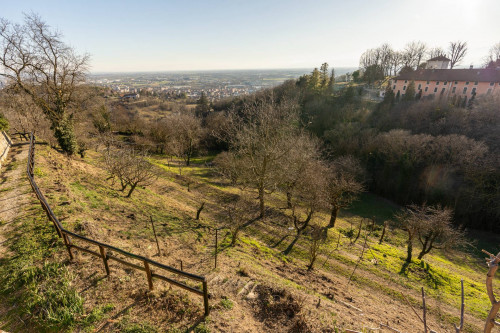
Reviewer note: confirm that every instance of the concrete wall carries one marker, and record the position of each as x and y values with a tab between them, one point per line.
5	144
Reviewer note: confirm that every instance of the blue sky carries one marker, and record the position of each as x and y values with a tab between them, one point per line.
158	35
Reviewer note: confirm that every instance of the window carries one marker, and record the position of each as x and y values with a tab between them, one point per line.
445	82
475	83
465	90
454	89
394	87
467	83
489	91
437	83
406	81
456	82
473	91
419	87
426	88
395	81
435	89
404	88
427	82
492	83
442	90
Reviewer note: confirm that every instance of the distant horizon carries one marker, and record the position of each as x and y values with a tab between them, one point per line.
220	70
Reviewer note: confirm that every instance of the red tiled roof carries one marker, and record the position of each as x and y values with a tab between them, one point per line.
480	75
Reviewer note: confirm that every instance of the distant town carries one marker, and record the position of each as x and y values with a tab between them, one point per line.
190	84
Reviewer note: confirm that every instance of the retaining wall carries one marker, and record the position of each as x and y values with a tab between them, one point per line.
5	144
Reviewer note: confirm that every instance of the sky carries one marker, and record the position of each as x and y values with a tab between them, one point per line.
170	35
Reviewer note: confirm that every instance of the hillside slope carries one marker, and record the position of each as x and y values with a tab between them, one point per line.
255	287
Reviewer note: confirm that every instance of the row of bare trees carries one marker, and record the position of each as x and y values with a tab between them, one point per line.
413	56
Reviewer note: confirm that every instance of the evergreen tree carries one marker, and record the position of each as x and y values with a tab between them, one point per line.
331	83
324	75
410	92
203	106
314	80
389	96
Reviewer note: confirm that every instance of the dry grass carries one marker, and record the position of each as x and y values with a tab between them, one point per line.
290	299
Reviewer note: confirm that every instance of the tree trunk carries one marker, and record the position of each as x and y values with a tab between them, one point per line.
198	212
132	188
409	251
333	217
288	200
261	201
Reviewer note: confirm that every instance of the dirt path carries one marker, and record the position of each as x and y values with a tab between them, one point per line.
14	194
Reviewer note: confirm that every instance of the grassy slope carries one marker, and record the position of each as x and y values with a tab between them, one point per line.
86	202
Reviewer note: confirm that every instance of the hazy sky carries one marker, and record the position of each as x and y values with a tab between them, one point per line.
151	35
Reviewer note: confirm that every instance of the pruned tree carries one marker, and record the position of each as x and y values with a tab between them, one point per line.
36	60
185	133
456	52
432	227
344	182
307	198
236	213
295	164
317	238
130	167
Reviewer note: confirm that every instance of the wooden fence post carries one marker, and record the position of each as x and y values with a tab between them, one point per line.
216	246
104	258
205	297
148	274
68	245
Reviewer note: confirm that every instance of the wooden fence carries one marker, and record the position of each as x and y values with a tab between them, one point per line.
108	252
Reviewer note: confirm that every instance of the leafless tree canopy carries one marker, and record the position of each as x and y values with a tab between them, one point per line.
130	167
456	52
343	184
432	226
35	59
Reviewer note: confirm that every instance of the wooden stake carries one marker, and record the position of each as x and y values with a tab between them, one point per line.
154	231
216	246
104	258
148	274
425	310
460	328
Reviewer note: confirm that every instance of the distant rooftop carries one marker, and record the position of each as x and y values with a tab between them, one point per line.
482	74
439	58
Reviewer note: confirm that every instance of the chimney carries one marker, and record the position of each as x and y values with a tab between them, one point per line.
471	67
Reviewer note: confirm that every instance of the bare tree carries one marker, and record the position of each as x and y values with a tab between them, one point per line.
260	136
456	52
36	60
318	236
413	54
130	167
436	52
236	213
343	184
184	137
433	228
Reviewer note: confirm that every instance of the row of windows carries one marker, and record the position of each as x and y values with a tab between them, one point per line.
456	82
453	90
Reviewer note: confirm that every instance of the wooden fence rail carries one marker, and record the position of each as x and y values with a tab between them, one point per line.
147	265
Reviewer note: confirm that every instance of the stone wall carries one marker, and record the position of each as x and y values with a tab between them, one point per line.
5	144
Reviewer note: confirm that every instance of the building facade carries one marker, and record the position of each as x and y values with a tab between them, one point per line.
447	83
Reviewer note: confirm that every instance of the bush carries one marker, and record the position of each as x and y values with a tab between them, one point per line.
4	123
